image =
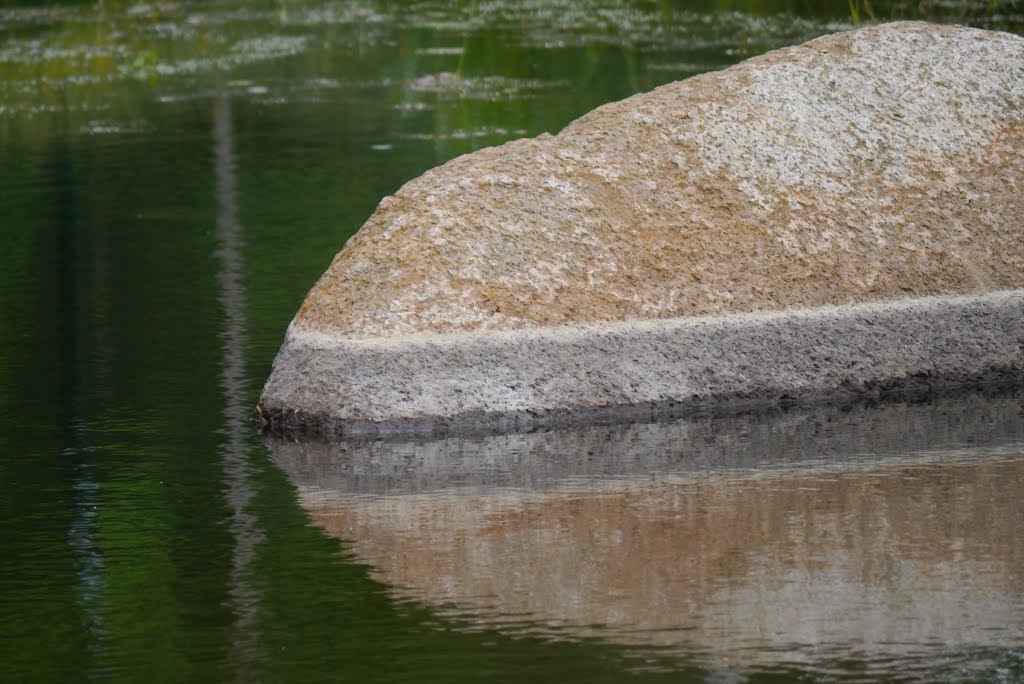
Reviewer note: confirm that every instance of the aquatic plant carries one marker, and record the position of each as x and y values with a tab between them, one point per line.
861	9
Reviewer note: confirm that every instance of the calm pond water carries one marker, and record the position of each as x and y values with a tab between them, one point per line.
174	177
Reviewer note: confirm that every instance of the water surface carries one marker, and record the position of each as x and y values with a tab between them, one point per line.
794	539
173	178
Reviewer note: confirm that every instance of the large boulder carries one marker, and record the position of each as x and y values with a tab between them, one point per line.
847	213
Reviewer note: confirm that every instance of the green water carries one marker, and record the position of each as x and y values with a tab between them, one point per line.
173	178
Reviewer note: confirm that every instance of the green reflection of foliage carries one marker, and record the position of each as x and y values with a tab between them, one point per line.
861	9
115	525
112	323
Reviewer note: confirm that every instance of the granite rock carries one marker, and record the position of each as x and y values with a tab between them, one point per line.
872	164
872	167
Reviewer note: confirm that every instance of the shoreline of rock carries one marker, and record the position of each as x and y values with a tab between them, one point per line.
788	439
432	385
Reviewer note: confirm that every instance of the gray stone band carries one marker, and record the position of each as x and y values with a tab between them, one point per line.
481	382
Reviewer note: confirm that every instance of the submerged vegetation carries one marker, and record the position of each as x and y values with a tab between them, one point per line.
108	61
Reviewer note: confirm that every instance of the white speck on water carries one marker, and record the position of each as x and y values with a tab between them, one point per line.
440	51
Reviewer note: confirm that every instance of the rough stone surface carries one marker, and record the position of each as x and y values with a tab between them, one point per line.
434	384
872	164
883	164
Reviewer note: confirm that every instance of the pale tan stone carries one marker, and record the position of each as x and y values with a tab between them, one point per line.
879	163
844	217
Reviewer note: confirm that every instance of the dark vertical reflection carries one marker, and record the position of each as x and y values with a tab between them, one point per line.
81	531
238	472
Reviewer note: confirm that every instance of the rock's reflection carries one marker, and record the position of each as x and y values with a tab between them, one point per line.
894	531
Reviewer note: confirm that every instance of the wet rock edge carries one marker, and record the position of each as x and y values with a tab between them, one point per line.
485	383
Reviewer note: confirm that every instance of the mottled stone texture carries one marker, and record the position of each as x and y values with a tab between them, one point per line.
501	381
880	165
